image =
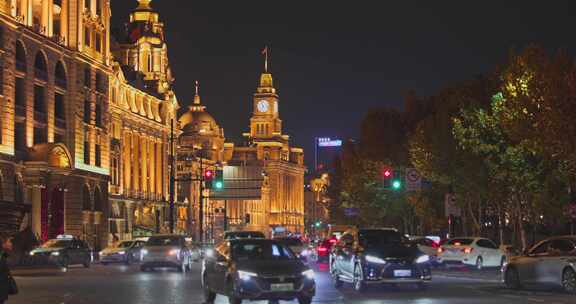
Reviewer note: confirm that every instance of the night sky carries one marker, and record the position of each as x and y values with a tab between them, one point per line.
334	60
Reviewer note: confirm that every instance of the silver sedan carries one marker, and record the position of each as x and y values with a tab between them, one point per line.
551	262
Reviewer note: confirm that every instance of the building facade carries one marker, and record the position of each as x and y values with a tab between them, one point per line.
54	142
142	116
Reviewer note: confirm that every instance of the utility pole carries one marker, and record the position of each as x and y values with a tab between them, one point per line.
172	177
201	206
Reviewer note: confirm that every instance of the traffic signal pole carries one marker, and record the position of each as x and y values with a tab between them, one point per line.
172	177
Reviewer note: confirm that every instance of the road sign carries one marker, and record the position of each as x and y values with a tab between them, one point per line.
413	180
450	206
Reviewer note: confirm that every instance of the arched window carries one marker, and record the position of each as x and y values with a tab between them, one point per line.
40	67
86	199
20	57
98	206
60	75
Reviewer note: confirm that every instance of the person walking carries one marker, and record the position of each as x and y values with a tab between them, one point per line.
7	283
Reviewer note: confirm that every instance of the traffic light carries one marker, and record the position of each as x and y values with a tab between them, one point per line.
318	223
218	181
247	218
208	178
387	175
397	181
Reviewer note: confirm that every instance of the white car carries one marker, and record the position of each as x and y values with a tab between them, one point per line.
471	251
427	246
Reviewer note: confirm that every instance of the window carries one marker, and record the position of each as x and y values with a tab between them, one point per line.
59	106
87	36
98	156
40	135
87	111
20	136
20	57
561	247
98	113
542	248
98	7
58	138
100	85
20	92
486	244
87	147
87	78
98	42
115	170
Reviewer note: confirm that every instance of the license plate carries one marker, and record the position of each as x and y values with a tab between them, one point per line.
282	287
401	273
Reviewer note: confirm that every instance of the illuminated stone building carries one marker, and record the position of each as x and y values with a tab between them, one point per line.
54	136
142	108
200	148
281	206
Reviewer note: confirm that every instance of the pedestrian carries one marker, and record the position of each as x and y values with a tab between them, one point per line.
7	283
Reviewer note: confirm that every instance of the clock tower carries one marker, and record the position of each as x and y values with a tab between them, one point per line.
265	122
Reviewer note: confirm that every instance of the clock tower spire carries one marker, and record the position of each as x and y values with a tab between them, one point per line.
265	122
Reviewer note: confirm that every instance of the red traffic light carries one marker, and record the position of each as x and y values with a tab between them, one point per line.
208	174
387	173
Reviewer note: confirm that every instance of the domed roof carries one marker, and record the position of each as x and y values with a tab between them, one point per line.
193	116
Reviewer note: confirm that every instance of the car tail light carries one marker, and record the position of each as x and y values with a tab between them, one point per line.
322	249
467	250
440	249
332	241
435	245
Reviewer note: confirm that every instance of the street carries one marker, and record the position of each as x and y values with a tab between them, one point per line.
126	284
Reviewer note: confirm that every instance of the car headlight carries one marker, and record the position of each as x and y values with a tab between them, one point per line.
305	252
55	253
375	260
174	252
308	274
32	253
423	259
121	252
101	253
246	275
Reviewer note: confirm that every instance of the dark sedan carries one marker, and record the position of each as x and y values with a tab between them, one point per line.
256	269
376	256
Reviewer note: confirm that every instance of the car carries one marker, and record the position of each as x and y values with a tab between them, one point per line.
322	252
126	252
550	262
166	251
427	246
63	251
476	252
377	256
256	269
296	245
228	235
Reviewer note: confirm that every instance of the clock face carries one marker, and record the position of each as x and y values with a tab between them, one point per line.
263	105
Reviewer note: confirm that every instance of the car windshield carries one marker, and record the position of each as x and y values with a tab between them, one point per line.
290	241
261	251
164	241
125	245
245	235
57	244
459	242
370	238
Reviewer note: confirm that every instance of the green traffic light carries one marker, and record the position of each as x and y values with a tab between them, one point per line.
318	224
396	184
219	185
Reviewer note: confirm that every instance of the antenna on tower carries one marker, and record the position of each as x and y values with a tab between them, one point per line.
266	53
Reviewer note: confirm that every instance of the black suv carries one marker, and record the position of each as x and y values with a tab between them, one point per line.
63	251
256	269
373	256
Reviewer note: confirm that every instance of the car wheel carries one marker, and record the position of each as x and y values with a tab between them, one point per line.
569	280
359	285
512	278
304	300
232	298
335	276
209	295
479	263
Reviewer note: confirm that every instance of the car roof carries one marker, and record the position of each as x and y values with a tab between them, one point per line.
245	240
